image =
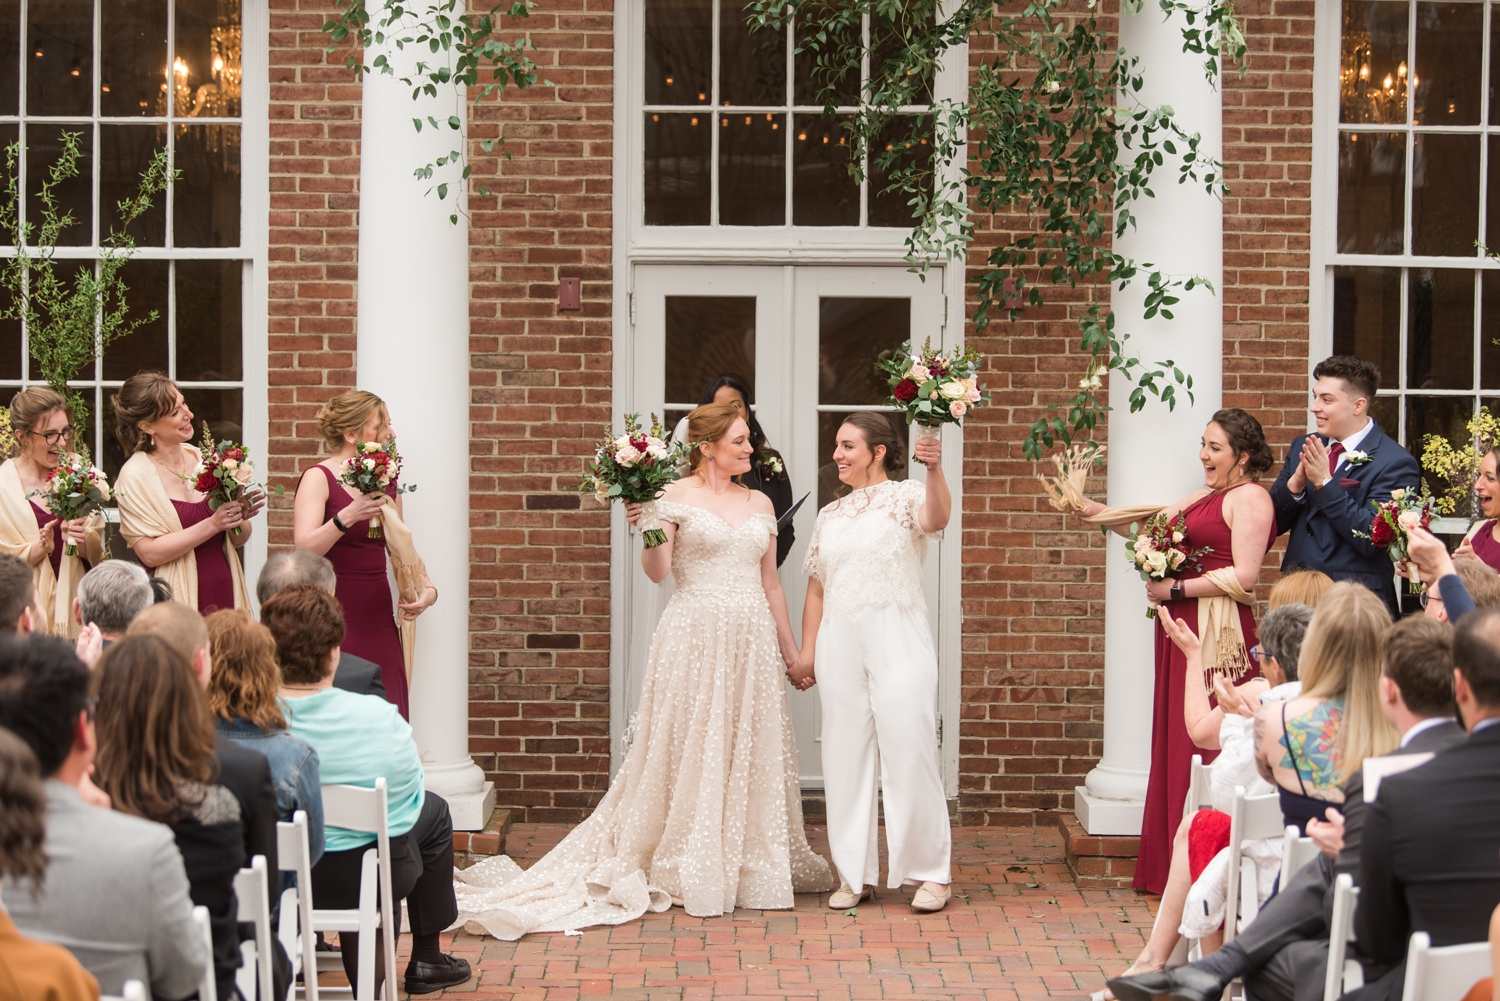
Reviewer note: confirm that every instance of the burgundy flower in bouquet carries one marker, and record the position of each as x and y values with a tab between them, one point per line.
1407	509
223	473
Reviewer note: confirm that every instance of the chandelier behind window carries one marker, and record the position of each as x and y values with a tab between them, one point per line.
219	95
1366	93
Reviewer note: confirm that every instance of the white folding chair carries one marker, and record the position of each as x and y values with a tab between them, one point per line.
254	896
358	809
208	990
1445	973
1296	852
1251	818
294	855
1199	797
133	990
1343	974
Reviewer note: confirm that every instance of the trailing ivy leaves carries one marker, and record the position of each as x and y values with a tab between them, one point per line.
468	48
1053	145
69	325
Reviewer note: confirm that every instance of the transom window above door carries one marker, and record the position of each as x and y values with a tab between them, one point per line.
734	132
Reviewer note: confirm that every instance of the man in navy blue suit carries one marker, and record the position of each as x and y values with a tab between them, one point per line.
1323	495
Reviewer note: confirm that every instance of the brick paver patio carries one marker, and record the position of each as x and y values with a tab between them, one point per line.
1017	928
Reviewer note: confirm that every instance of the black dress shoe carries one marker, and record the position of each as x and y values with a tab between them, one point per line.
424	978
1181	983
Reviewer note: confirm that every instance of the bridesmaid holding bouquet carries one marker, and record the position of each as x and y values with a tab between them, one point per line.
331	521
1230	523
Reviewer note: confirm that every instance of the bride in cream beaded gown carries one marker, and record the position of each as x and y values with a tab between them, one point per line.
706	806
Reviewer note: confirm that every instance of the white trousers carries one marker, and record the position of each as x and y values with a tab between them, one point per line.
877	679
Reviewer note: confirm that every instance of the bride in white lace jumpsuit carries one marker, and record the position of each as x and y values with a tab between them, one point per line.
706	810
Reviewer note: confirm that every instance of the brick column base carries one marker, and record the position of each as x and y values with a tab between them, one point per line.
1095	860
471	846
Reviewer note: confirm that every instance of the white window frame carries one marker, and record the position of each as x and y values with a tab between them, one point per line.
254	233
1324	254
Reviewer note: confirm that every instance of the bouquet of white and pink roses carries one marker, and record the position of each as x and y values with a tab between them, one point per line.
1407	509
372	469
224	472
74	490
1157	550
933	389
635	467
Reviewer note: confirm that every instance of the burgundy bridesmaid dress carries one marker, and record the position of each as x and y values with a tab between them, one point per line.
1172	749
42	517
365	592
1484	545
215	579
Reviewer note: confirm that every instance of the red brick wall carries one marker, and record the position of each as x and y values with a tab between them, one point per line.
540	392
1033	593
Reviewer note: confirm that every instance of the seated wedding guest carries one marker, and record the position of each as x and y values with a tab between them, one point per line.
241	770
1437	827
161	590
30	970
156	750
358	740
116	894
1282	954
1301	587
20	612
242	694
303	566
1203	834
1480	582
110	596
1308	746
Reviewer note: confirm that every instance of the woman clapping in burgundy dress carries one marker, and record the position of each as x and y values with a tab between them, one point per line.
332	522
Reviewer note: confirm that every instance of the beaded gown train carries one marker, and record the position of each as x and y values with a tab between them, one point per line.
706	805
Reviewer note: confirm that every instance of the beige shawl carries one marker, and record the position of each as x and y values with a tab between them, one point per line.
19	532
1219	629
146	512
409	570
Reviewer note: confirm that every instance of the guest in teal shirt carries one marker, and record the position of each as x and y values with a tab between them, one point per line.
361	738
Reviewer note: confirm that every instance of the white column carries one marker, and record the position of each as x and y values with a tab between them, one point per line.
414	353
1153	454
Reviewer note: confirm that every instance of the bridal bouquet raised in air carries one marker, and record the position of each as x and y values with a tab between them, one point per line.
933	389
1157	552
1407	509
635	467
371	469
223	473
75	489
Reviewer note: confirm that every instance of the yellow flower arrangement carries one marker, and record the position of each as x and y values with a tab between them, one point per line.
1458	467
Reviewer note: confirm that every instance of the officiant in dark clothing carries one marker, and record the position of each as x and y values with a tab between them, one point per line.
768	472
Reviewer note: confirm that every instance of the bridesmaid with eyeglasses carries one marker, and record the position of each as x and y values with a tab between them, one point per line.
42	423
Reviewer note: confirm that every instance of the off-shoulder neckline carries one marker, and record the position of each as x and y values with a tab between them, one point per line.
722	520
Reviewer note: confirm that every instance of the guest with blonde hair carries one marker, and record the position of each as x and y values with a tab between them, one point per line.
42	423
1309	746
162	516
1302	587
329	521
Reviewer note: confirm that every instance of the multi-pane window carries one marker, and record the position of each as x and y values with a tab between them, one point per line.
1418	194
130	77
734	132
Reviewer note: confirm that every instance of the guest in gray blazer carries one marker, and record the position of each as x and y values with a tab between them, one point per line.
302	566
116	894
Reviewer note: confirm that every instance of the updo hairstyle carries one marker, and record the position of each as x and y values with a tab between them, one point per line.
1246	438
31	406
145	397
878	430
708	424
347	413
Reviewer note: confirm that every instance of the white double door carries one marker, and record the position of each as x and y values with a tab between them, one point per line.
805	340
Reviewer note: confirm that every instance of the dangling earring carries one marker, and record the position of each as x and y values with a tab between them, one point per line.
710	458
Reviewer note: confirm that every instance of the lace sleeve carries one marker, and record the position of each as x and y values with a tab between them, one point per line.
911	495
812	564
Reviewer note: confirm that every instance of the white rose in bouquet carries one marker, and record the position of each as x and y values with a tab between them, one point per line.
627	456
368	463
243	474
229	465
918	373
1177	559
1157	561
1176	537
1142	547
954	390
1409	520
372	446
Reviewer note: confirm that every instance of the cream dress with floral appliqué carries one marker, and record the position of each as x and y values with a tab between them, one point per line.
706	805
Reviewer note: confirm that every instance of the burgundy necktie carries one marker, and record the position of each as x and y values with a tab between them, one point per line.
1333	456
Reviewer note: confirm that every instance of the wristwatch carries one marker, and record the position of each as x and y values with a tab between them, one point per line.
1176	592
